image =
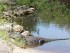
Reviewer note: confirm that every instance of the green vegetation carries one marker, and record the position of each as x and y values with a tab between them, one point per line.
22	2
55	12
2	7
5	36
17	41
50	11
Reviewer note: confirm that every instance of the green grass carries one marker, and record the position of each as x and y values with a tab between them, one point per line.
5	36
17	41
3	21
2	7
22	2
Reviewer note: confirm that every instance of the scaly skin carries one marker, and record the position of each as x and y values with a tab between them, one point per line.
33	41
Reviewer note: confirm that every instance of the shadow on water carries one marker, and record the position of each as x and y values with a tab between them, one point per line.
28	22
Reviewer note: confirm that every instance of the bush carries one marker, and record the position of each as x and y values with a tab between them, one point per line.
2	7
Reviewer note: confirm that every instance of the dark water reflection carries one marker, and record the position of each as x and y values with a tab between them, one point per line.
29	22
49	25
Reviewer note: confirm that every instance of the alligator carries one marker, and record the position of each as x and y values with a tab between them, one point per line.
34	41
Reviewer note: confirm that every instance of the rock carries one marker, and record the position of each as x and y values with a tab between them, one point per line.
31	10
6	27
15	35
19	11
25	33
7	13
23	10
18	28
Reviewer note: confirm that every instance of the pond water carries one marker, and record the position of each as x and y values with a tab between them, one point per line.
50	30
53	31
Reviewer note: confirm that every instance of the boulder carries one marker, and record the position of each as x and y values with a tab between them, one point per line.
6	27
19	11
9	27
31	10
18	28
26	33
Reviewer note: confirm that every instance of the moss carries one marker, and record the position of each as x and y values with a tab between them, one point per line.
4	35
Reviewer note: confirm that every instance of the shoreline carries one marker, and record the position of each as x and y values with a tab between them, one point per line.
5	48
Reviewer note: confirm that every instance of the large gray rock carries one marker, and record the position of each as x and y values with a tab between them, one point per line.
19	11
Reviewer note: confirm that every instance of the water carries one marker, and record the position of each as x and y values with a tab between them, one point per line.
53	31
44	29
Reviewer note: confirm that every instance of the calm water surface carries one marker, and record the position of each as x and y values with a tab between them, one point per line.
48	30
53	31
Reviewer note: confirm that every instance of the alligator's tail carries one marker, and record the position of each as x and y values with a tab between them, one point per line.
50	40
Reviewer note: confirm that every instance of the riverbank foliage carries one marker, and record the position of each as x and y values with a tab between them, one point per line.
6	37
42	5
48	11
17	41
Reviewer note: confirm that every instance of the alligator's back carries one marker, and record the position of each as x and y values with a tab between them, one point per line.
33	41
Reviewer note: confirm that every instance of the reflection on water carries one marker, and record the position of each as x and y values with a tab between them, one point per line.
52	31
50	23
48	30
29	22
